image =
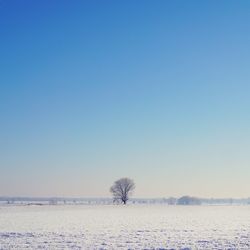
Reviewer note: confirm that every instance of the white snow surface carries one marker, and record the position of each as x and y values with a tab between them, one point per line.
124	227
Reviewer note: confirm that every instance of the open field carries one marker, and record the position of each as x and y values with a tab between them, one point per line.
124	227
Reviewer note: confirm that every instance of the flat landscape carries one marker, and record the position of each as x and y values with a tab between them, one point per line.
124	227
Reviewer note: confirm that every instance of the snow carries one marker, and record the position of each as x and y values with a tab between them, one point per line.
124	227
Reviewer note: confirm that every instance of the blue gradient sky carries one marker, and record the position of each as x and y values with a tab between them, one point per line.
158	91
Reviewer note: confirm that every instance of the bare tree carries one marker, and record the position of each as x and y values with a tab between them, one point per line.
122	189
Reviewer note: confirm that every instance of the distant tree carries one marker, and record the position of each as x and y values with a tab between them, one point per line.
187	200
122	190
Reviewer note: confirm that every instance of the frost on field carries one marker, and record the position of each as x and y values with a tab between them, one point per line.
130	227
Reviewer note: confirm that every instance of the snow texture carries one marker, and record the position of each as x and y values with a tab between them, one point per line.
124	227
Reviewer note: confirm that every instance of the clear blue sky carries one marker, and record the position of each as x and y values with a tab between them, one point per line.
158	91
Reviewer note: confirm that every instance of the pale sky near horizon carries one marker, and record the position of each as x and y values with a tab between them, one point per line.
158	91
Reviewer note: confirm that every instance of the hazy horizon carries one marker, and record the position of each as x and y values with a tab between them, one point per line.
132	197
155	91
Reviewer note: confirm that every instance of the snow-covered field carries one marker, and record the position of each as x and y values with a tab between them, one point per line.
124	227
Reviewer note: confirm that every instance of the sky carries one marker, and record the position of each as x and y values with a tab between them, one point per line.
157	91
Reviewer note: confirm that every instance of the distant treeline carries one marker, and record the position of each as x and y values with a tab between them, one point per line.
184	200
